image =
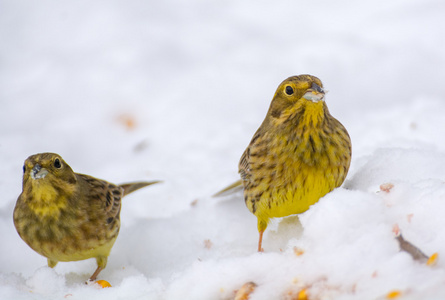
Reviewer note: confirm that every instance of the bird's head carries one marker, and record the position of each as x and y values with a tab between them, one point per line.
47	173
296	95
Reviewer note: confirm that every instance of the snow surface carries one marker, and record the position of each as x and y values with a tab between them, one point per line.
174	90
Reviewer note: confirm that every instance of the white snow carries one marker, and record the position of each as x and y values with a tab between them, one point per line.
196	78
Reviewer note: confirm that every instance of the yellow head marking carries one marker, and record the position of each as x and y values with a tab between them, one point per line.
298	99
47	184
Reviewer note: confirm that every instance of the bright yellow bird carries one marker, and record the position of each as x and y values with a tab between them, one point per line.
66	216
299	153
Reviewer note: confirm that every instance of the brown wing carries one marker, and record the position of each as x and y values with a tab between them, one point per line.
244	166
244	171
104	197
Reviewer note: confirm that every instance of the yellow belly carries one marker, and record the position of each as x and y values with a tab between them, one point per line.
297	180
71	240
295	197
80	254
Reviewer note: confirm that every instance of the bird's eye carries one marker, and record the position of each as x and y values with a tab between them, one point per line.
24	168
289	90
57	163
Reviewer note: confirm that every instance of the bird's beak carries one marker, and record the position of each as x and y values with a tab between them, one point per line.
315	93
38	172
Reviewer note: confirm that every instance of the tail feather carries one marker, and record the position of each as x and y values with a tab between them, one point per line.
133	186
231	189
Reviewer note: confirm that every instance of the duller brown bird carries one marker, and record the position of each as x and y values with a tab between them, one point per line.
66	216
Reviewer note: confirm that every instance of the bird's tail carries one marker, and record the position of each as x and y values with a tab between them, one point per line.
133	186
231	189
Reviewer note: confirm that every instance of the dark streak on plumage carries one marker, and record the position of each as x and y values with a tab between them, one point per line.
311	142
275	113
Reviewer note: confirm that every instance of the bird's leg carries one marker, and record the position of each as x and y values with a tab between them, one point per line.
52	263
262	225
260	241
94	276
101	264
